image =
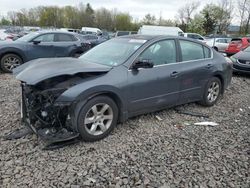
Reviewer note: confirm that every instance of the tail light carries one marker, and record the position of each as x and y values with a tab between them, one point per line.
239	45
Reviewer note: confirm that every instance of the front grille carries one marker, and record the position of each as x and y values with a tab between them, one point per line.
245	62
244	68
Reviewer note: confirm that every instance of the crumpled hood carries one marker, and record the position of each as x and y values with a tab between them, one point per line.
242	55
38	70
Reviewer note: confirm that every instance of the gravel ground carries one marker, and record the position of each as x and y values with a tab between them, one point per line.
162	149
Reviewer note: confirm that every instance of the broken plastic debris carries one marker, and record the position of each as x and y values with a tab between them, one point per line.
158	118
207	123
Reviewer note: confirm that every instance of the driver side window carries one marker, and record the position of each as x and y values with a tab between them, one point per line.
45	38
162	52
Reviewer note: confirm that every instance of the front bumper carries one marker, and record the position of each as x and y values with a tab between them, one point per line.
50	134
241	68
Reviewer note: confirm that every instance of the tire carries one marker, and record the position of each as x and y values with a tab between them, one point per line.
94	125
9	62
216	49
212	92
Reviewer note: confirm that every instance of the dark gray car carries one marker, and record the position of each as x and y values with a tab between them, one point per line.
39	45
116	80
241	61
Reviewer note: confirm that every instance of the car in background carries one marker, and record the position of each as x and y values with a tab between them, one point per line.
236	45
93	40
40	45
160	30
91	30
70	30
123	33
241	61
195	36
118	79
219	44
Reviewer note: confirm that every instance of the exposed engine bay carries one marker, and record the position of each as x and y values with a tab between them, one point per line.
41	113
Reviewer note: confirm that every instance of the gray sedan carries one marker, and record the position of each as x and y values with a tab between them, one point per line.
241	61
118	79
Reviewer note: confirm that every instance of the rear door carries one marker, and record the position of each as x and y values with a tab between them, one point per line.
65	44
197	67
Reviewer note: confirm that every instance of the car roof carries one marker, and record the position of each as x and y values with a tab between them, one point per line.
56	31
155	37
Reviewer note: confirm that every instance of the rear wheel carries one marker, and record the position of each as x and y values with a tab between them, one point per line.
215	48
212	92
97	118
9	62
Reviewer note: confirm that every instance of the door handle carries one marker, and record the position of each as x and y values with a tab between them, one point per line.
174	74
209	66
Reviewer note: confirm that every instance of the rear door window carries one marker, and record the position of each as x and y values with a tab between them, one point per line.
64	38
193	51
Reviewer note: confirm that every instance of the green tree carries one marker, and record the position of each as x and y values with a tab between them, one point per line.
149	19
5	21
123	21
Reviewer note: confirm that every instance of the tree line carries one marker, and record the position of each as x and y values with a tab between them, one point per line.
213	17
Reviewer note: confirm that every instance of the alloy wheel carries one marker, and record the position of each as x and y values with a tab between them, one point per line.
213	91
11	62
98	119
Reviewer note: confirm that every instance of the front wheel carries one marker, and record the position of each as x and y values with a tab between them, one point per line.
97	118
9	62
212	92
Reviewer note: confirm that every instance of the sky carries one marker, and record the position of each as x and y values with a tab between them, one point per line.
136	8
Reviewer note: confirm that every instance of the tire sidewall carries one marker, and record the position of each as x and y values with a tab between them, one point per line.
80	127
205	99
6	56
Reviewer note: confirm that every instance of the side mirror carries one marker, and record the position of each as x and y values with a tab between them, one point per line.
146	63
36	41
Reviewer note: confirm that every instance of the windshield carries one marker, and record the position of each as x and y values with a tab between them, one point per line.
113	52
28	37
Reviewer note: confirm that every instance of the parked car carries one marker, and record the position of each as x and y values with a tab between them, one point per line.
237	44
219	44
93	40
195	36
241	61
91	30
118	79
123	33
39	45
160	30
70	30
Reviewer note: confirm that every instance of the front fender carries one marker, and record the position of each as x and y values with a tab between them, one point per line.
14	50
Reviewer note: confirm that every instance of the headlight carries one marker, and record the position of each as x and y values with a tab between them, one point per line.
233	59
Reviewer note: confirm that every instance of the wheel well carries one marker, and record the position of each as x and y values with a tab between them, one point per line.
12	53
116	99
214	47
221	80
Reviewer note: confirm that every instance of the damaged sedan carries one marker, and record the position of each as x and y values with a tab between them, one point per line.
67	98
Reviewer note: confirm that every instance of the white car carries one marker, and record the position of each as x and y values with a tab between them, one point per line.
3	35
219	44
195	36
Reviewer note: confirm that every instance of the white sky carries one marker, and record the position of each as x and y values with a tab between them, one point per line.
136	8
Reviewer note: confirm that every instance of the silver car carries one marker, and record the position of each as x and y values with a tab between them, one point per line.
219	44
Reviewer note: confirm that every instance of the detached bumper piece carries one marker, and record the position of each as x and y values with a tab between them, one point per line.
57	139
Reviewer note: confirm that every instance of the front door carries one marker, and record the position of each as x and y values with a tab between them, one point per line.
42	47
156	87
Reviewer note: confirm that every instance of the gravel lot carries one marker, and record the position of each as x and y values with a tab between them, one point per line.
159	149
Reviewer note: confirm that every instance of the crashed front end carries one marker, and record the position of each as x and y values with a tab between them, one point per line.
45	117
